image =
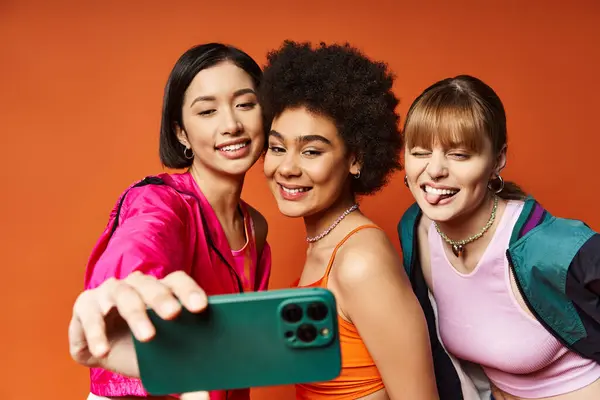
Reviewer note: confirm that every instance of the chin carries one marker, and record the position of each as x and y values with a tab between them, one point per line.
292	210
237	167
439	215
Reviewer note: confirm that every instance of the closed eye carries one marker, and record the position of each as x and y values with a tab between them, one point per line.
247	106
206	112
420	153
276	149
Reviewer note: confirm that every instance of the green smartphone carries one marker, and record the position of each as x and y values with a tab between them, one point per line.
254	339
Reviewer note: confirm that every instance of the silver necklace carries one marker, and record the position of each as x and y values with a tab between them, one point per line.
458	246
337	221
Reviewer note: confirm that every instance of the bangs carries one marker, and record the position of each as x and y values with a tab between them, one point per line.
446	119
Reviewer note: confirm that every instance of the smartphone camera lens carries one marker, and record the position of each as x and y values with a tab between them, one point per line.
317	311
306	333
291	313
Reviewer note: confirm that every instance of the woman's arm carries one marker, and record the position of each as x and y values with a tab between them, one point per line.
583	279
595	287
151	238
376	295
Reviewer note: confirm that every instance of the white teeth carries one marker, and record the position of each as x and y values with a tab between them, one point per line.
234	147
440	192
294	191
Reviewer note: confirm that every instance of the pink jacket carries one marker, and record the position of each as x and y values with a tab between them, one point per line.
162	227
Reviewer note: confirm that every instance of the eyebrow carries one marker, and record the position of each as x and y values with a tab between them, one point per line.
303	138
237	93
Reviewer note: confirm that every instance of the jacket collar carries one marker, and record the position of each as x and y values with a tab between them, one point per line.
531	216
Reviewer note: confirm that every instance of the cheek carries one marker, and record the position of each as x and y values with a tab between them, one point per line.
472	177
259	142
198	131
317	174
253	123
270	165
328	174
413	168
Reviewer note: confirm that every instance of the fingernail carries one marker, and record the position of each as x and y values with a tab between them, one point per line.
197	301
144	330
100	349
170	307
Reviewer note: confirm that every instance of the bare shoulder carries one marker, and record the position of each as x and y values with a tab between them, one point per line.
261	227
368	274
367	255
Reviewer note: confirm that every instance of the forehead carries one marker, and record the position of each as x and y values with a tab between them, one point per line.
222	79
296	122
446	127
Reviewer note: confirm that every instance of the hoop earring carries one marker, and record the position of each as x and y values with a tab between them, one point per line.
357	176
185	153
405	180
501	188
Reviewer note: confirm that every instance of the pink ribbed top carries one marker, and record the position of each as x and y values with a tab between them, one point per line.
480	320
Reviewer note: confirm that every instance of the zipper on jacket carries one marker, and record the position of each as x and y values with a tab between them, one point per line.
534	312
415	245
211	244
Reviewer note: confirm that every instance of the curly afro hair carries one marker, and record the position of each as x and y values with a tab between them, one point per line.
338	81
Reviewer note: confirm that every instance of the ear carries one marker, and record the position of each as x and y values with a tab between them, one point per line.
500	162
355	165
182	136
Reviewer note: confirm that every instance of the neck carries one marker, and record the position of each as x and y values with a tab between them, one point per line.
471	223
315	224
223	192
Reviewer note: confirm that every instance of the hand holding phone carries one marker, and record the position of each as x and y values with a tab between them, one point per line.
104	318
244	340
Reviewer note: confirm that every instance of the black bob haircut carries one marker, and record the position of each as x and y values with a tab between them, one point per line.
191	62
339	82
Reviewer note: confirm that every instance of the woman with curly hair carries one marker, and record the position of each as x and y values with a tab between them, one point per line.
334	137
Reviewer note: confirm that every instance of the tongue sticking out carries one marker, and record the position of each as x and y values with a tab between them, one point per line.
433	199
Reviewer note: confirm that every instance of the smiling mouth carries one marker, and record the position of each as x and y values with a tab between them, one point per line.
435	195
293	191
233	147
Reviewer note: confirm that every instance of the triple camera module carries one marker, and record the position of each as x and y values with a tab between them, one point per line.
307	332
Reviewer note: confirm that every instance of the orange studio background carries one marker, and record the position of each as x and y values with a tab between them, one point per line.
81	89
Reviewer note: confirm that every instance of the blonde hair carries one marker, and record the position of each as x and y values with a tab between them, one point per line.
460	111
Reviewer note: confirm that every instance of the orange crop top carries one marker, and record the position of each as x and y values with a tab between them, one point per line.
359	376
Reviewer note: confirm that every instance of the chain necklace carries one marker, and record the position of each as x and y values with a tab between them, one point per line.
458	246
337	221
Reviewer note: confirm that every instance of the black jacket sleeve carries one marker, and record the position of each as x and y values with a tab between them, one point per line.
583	289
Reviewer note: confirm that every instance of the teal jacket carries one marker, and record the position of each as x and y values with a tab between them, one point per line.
556	265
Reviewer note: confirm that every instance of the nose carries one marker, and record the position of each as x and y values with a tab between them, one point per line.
289	166
437	168
230	123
